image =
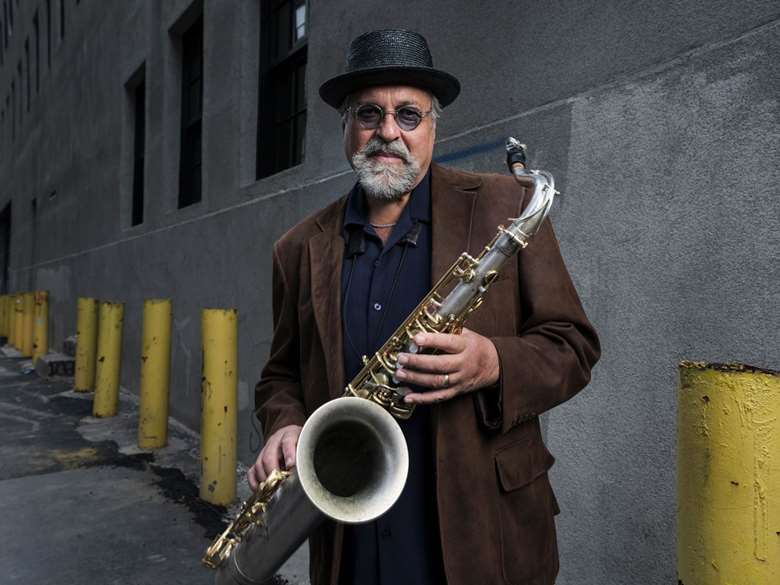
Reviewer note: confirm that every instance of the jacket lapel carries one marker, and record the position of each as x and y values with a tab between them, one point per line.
453	196
326	253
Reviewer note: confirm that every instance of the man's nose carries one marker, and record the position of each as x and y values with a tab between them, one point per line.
388	130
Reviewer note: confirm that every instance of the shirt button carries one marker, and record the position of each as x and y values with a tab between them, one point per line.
377	262
377	307
386	533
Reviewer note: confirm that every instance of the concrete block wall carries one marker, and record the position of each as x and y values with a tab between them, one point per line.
658	119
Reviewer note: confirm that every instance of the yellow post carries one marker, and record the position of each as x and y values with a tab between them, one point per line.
219	396
41	325
3	305
109	359
9	316
27	332
728	475
18	321
155	374
86	344
12	320
3	316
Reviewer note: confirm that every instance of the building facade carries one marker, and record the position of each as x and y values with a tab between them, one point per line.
159	148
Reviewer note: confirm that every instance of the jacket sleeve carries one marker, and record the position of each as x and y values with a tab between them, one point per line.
278	397
550	359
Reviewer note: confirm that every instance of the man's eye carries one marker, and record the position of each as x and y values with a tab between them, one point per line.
409	115
368	113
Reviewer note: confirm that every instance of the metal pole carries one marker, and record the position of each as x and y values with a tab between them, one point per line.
219	406
28	307
728	478
40	325
109	360
155	374
86	344
18	320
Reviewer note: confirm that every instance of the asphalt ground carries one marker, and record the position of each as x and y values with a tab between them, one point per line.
80	503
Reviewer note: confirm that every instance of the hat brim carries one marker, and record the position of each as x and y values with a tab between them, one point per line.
441	84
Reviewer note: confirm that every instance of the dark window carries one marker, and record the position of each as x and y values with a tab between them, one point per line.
62	19
27	68
37	54
191	114
48	33
139	138
20	81
5	246
282	109
13	110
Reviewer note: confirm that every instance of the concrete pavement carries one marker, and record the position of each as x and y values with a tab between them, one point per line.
80	503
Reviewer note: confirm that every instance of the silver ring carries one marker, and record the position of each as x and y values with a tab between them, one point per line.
446	380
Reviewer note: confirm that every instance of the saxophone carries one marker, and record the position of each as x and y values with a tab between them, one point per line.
352	459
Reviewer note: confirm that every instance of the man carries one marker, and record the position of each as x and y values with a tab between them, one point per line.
478	506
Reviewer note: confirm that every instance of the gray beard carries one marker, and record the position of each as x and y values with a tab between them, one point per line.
385	181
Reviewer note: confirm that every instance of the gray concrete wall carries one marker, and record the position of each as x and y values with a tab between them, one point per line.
658	119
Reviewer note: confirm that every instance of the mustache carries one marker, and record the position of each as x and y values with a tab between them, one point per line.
377	146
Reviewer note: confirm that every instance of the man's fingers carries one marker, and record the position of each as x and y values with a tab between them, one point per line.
435	364
446	342
431	397
289	443
435	381
256	475
270	455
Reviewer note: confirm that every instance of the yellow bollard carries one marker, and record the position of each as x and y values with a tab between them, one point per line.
40	325
86	344
728	477
28	307
12	320
155	374
3	316
18	320
219	397
3	330
9	317
109	359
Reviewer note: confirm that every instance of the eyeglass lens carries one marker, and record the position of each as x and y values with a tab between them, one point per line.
370	116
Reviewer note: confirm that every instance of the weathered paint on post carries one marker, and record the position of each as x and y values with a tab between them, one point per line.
109	359
3	316
728	474
18	321
219	406
28	307
155	374
86	344
40	325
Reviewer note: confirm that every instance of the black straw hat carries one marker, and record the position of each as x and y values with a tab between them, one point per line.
390	57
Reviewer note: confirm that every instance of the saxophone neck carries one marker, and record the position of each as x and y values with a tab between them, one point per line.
541	183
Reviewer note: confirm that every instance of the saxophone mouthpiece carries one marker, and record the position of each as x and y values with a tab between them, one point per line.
515	153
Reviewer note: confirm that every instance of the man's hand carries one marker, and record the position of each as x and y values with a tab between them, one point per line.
465	363
279	448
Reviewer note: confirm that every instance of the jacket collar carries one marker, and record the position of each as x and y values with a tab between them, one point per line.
453	198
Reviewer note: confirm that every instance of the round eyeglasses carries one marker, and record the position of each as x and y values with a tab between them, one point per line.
370	116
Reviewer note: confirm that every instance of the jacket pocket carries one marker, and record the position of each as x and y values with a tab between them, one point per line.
526	507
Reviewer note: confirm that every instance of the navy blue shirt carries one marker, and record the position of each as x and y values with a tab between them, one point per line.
381	285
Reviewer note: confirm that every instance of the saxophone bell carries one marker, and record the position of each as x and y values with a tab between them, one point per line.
352	463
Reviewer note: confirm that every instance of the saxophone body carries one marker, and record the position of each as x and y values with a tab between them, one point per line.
352	458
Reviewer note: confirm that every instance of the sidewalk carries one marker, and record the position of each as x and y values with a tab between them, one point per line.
80	503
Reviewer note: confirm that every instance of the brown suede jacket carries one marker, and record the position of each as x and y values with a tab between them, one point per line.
495	504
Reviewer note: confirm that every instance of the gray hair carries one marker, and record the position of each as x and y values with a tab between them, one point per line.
436	109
